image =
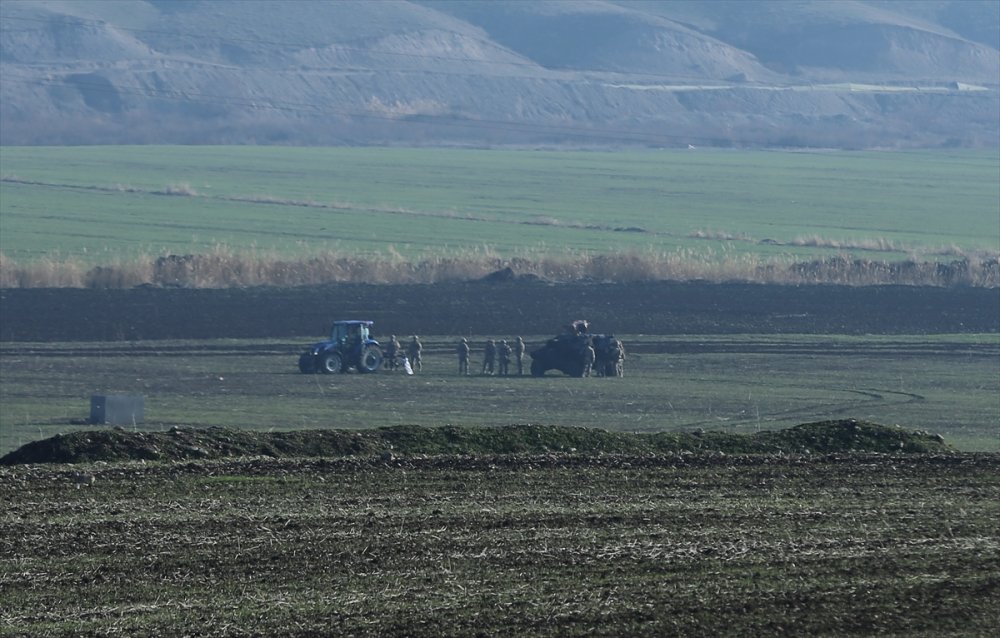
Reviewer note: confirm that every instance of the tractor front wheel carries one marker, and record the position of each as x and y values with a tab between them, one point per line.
331	363
307	364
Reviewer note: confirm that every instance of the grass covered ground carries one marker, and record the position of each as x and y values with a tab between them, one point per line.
544	545
102	204
945	384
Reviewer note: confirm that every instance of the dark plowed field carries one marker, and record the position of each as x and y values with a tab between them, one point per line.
528	307
497	546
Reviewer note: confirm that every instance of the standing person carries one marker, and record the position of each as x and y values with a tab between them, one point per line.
620	359
391	352
588	359
463	357
490	357
519	355
415	350
608	358
503	355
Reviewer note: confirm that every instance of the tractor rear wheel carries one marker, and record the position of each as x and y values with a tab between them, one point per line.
371	359
331	363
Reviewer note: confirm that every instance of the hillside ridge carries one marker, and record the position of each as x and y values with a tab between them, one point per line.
848	74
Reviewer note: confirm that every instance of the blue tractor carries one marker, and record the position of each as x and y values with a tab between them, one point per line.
350	346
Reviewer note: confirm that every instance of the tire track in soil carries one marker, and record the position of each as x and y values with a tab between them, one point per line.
875	396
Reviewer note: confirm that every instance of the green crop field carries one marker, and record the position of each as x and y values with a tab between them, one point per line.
946	384
100	204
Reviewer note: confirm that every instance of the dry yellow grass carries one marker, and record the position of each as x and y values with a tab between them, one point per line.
223	267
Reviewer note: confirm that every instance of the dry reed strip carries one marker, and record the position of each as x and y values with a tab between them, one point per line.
223	267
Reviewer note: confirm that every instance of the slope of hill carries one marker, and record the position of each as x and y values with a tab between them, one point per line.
845	41
656	73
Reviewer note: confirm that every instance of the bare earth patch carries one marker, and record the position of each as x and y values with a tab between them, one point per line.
504	545
118	444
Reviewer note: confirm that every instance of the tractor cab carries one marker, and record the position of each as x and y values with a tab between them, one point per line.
350	332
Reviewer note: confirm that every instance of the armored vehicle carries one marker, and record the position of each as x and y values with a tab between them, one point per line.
350	346
565	353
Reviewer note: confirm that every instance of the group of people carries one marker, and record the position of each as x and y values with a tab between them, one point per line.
496	359
396	356
611	363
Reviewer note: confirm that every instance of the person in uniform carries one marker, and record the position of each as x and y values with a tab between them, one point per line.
503	356
392	353
519	355
489	360
463	356
578	327
414	350
619	358
606	357
588	359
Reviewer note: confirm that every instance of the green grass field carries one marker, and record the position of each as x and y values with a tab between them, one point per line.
99	204
946	384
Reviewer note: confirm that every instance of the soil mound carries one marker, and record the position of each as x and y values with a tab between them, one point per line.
177	444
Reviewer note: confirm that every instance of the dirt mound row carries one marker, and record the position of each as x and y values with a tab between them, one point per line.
177	444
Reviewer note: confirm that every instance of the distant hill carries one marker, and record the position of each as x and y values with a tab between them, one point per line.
846	74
